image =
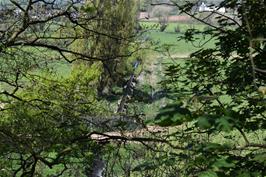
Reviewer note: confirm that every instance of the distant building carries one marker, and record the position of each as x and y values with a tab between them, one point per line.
205	8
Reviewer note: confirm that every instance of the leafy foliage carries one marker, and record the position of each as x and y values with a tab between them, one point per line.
118	46
219	88
49	121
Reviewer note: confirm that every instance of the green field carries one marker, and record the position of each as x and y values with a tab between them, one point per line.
169	39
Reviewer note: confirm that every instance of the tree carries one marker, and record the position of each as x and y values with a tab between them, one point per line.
47	118
216	96
120	23
43	129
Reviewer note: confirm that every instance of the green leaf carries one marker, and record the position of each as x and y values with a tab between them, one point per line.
203	122
223	123
208	174
215	147
223	163
172	115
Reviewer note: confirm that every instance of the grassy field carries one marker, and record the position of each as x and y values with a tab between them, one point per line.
171	40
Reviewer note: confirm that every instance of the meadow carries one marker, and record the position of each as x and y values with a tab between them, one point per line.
170	39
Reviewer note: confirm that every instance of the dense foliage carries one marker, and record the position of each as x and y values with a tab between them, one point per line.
218	96
54	58
65	63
